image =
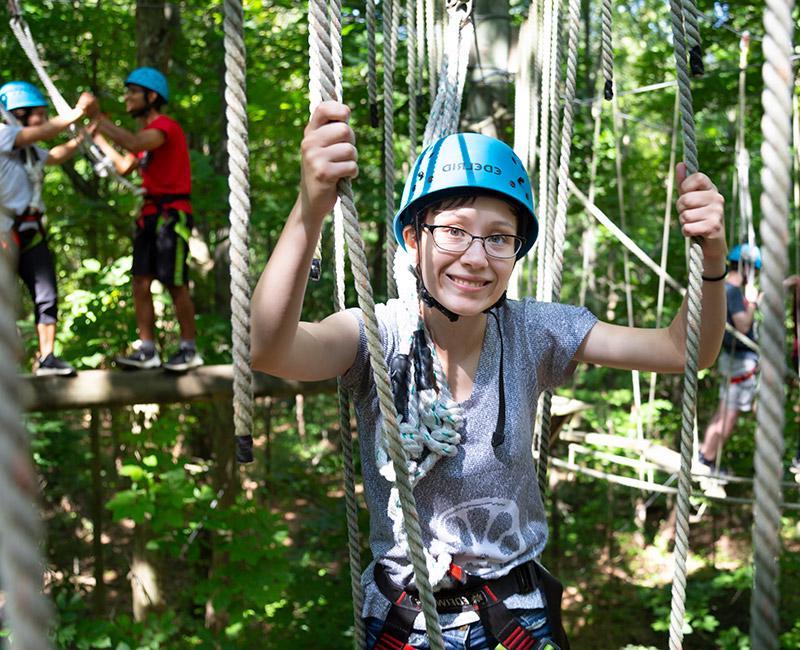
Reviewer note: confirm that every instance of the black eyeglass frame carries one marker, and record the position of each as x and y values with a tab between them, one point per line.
520	241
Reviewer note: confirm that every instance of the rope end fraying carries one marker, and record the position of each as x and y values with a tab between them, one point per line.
608	90
244	449
696	61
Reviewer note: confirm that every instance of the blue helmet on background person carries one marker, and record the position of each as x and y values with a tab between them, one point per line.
21	94
745	254
150	79
468	161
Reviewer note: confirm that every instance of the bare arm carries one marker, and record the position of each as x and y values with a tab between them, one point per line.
63	152
50	129
123	163
282	345
144	140
700	207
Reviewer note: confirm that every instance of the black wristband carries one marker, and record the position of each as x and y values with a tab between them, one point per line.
716	278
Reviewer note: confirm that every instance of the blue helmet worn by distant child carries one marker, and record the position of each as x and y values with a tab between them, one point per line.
468	161
21	94
151	79
743	253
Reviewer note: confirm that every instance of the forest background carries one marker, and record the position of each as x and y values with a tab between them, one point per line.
196	552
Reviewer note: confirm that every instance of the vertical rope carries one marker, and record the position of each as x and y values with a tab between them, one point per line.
390	20
433	55
776	181
318	16
589	236
607	50
372	83
544	147
28	613
694	296
239	199
560	221
411	77
690	14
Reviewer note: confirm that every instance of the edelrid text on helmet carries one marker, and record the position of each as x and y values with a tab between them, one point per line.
151	79
468	161
745	254
21	94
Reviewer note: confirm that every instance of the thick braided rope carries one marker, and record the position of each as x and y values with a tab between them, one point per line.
536	31
102	165
346	439
549	172
694	296
433	56
421	48
239	199
607	50
692	31
446	108
412	77
522	88
318	16
544	149
560	221
372	75
774	230
390	21
28	613
555	123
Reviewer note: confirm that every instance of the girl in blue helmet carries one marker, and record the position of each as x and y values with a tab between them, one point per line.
478	364
22	162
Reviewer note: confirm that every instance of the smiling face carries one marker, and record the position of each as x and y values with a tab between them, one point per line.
470	282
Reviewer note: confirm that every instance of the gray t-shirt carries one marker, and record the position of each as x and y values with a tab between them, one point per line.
16	190
483	504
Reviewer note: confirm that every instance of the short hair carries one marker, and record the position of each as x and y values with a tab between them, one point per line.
466	197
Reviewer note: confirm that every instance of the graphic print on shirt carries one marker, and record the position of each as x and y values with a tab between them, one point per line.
485	531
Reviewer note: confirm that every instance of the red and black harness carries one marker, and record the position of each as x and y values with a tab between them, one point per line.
474	594
160	201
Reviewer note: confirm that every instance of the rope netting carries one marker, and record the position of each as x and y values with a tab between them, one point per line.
239	199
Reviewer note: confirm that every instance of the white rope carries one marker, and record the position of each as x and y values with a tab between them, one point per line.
412	78
319	15
239	199
372	83
607	50
689	401
390	22
27	612
775	180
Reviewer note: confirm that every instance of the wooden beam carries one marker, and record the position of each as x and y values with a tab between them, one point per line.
101	388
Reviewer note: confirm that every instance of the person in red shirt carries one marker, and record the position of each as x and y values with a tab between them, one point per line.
161	244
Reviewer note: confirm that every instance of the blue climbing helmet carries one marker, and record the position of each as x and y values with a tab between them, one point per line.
744	253
468	161
21	94
151	79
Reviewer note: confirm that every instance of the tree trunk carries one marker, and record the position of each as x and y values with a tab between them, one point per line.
488	93
157	27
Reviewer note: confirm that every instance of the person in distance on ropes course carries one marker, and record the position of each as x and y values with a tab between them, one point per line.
161	243
467	367
792	283
21	207
738	364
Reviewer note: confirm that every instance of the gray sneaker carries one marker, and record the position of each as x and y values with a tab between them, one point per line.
52	366
183	360
139	360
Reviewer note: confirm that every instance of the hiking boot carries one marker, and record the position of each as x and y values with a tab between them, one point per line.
139	360
51	365
184	359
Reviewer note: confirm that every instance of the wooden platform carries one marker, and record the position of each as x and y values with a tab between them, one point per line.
103	388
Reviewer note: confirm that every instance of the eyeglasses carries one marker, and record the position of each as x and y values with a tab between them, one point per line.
455	240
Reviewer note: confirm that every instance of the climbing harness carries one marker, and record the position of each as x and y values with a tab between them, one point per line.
473	594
